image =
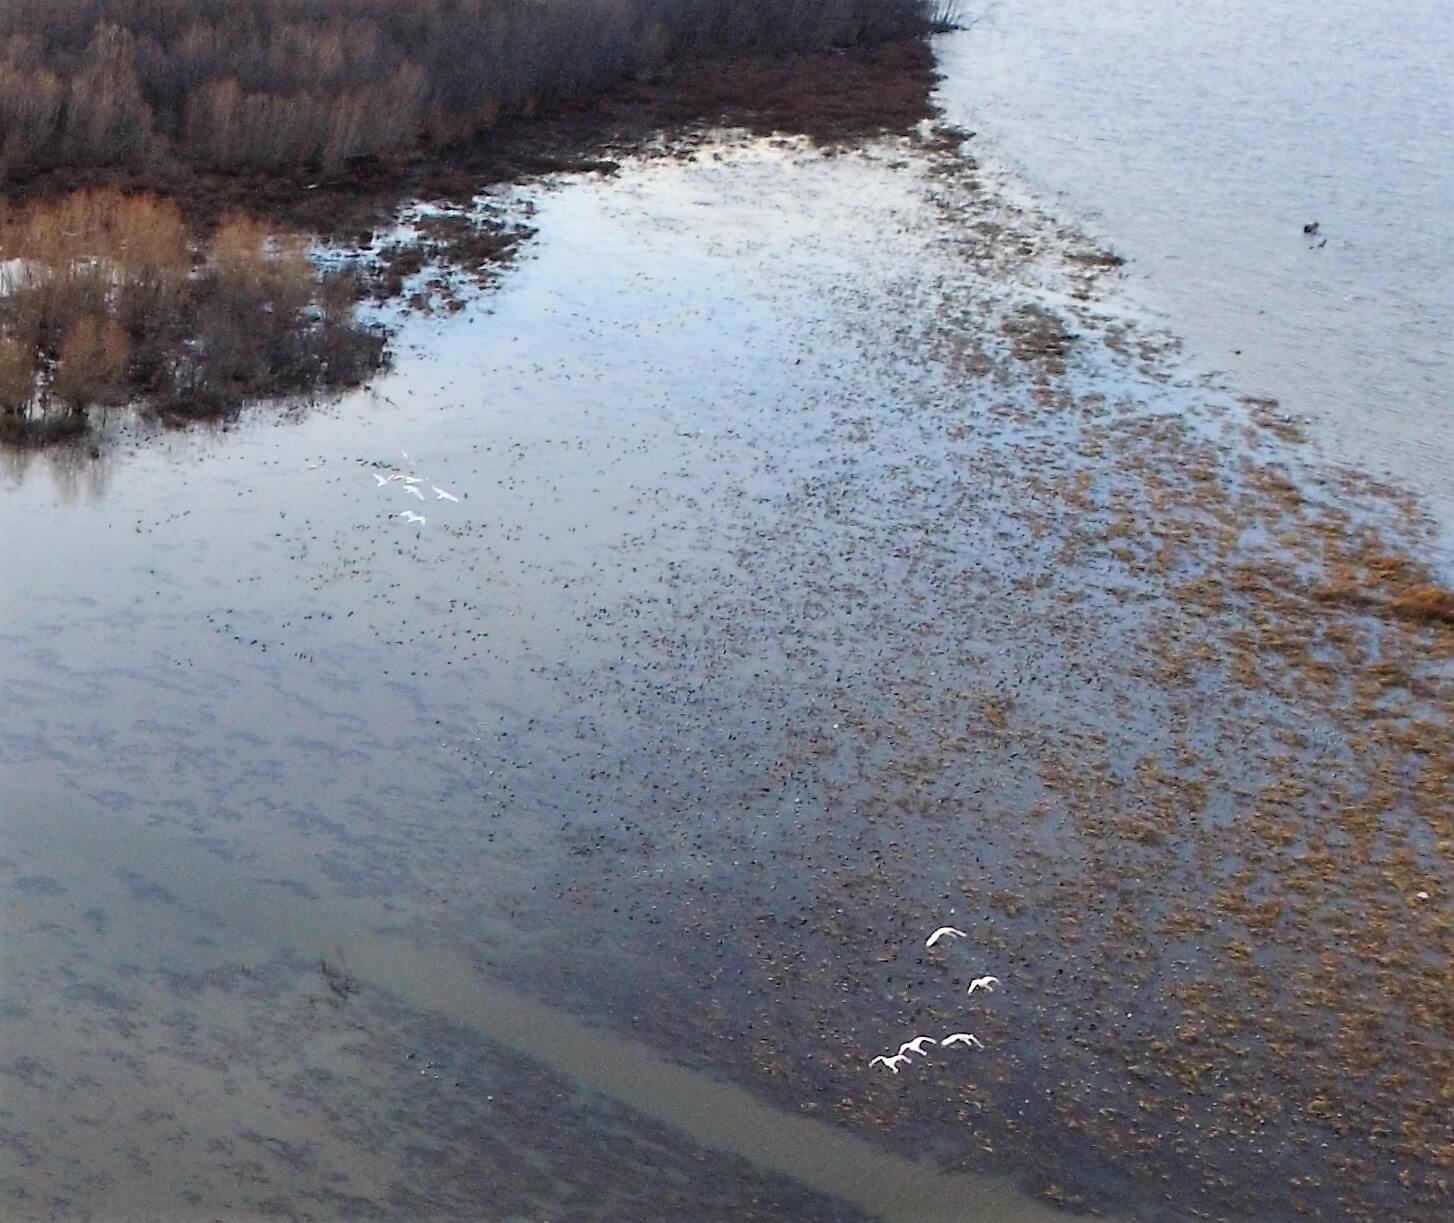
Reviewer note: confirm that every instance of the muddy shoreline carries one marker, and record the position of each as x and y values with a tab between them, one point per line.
837	557
851	94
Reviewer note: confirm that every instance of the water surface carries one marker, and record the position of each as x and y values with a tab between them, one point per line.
836	555
1199	139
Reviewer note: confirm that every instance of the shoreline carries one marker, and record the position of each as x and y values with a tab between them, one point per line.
406	229
843	96
1157	158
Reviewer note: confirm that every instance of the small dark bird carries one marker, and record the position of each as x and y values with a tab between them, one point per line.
1310	228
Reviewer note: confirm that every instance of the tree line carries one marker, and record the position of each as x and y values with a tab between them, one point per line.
267	84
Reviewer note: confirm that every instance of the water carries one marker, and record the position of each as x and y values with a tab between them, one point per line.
256	725
835	557
1198	139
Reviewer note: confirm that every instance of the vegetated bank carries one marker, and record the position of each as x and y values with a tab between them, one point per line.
163	162
268	84
107	297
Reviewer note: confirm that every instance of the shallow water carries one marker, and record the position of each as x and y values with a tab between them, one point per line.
833	558
268	726
1199	139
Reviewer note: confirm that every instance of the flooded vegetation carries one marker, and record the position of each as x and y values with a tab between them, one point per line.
244	218
527	785
1159	136
107	299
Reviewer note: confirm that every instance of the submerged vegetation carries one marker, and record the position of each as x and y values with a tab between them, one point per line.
268	84
106	297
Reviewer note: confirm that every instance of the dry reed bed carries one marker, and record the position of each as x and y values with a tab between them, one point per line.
110	298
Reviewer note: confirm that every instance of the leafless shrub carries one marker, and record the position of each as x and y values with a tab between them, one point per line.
17	380
90	366
108	296
944	15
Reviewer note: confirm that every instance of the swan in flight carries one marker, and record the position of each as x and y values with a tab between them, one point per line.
892	1063
944	932
985	983
441	495
411	516
917	1045
961	1038
409	488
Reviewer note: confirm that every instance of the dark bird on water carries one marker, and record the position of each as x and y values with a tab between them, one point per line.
1311	227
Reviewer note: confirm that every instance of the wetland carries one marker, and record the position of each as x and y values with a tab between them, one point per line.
820	545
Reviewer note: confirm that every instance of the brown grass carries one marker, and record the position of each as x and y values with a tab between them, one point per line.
1426	603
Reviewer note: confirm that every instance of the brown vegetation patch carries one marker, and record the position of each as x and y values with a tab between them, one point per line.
1433	603
110	298
1427	604
1038	335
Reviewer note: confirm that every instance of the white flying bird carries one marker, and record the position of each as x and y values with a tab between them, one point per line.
441	495
409	488
985	983
411	516
411	479
892	1063
917	1045
961	1038
944	932
382	480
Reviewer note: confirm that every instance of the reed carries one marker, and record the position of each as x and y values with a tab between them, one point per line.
110	298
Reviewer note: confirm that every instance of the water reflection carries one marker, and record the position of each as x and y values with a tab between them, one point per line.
77	470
